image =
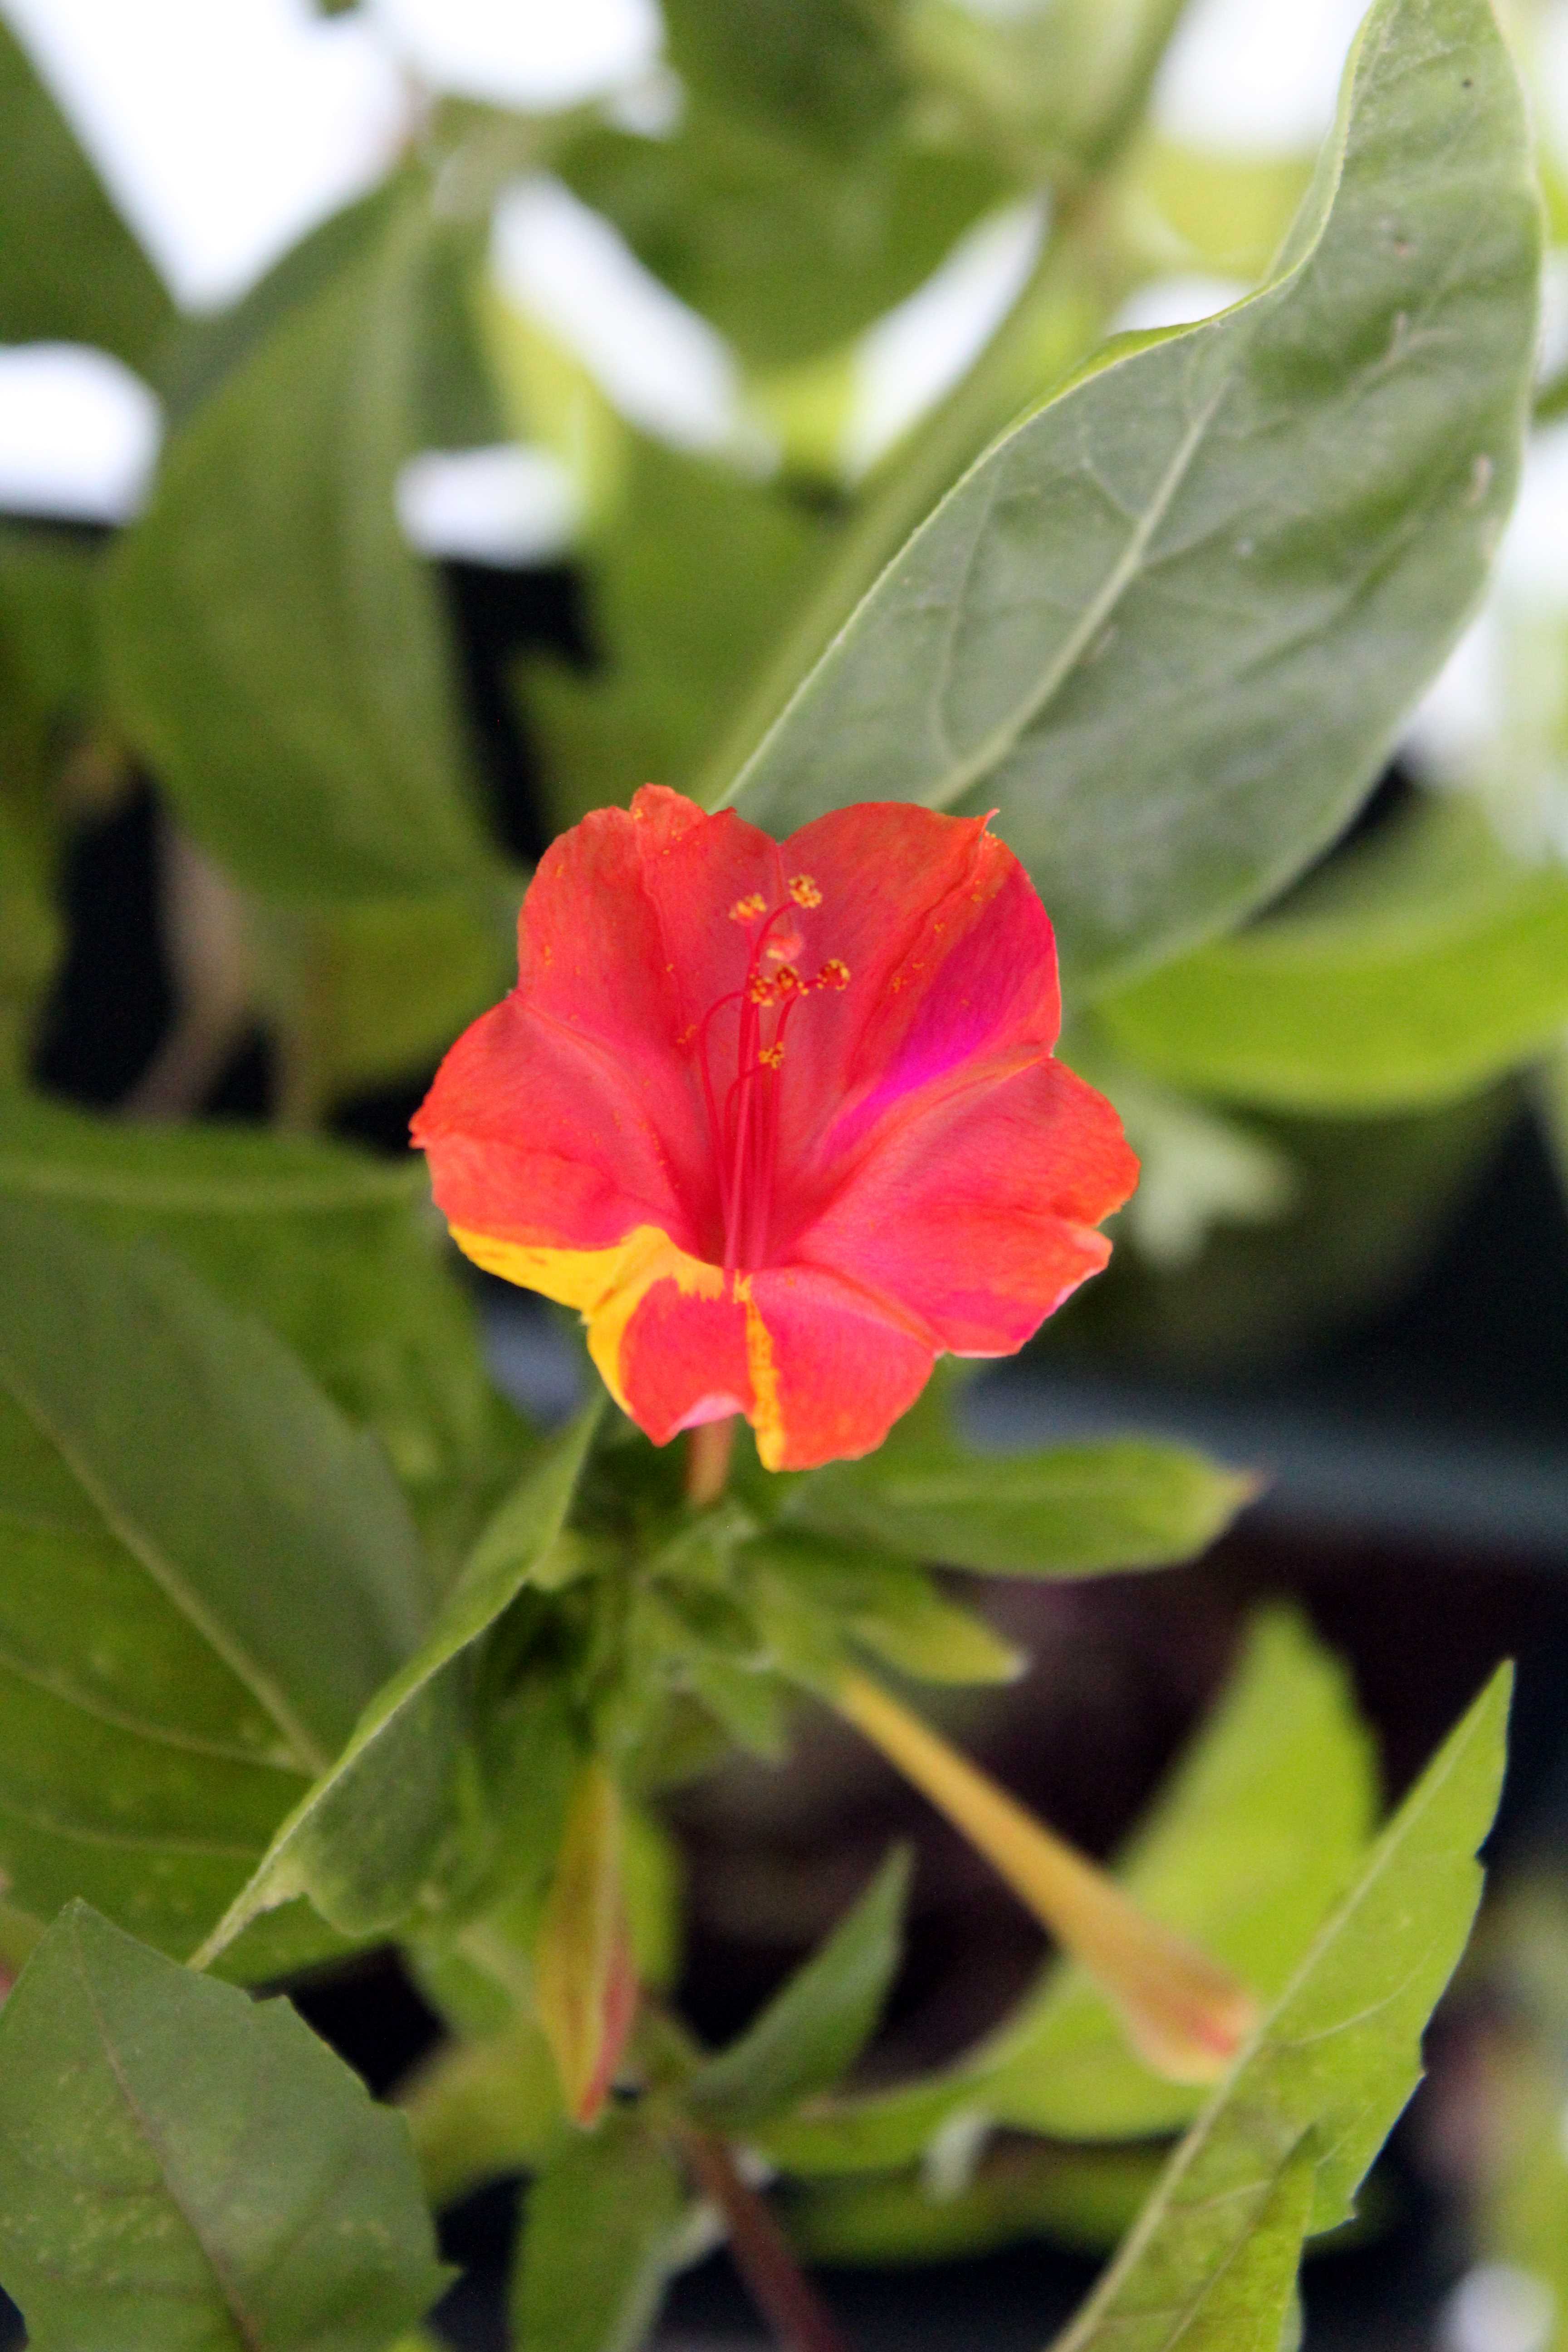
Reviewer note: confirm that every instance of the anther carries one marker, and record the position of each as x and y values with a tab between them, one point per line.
746	910
835	974
770	1057
804	890
761	991
787	981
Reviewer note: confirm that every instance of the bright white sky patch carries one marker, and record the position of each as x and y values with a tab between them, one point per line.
911	357
532	54
1497	2308
504	506
1255	76
224	129
665	368
78	433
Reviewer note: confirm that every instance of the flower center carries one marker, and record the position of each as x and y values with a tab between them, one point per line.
743	1123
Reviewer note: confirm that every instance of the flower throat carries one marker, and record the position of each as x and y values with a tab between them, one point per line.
743	1127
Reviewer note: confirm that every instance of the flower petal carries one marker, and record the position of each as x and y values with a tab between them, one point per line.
972	1217
832	1368
540	1136
952	971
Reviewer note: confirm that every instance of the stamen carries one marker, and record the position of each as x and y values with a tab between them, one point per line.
744	1133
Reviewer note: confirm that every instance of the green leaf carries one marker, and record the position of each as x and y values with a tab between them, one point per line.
1168	626
364	1840
373	992
820	1589
1074	1510
1259	1828
330	1247
479	2109
273	648
814	2029
787	247
207	1574
1048	75
685	579
70	270
186	2170
812	71
1310	2102
599	2226
1086	2198
1417	967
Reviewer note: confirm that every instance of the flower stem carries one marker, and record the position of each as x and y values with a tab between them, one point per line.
1185	2014
708	1452
762	2254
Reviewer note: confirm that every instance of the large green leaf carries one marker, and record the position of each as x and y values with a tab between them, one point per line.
186	2170
812	2031
1258	1832
363	1841
1283	2145
208	1573
273	647
70	270
331	1248
1071	1510
1417	967
599	2227
1168	626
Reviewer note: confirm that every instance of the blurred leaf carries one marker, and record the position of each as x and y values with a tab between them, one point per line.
686	582
814	70
1284	2143
274	649
1212	212
373	992
813	2030
1168	624
599	2226
891	1606
1519	2155
47	675
184	2170
1085	2198
1046	75
1372	1200
1073	1510
70	270
328	1246
1258	1830
1418	967
478	2110
366	1838
207	1574
788	245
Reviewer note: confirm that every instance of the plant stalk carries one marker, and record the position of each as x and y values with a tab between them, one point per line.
708	1450
762	2254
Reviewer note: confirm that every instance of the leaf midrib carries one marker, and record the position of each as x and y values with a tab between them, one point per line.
263	1687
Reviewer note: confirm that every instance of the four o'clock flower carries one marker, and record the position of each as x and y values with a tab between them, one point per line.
783	1122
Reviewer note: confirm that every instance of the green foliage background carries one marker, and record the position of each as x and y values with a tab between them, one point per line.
303	1633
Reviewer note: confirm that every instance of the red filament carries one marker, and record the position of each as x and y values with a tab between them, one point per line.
743	1129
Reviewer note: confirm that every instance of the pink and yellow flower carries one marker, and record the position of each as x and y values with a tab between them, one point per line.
784	1123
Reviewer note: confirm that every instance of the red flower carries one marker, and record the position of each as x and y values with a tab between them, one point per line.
784	1123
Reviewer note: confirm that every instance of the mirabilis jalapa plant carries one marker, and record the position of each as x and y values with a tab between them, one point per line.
304	1645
